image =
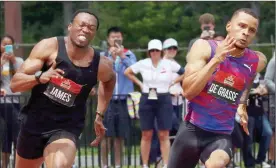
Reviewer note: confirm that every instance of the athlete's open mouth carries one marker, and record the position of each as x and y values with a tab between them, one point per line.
82	38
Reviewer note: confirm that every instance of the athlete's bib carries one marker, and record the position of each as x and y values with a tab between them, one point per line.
63	91
226	86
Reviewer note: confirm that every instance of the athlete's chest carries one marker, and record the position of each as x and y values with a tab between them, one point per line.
242	69
80	75
230	79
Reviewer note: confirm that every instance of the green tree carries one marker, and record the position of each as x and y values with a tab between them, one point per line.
142	21
41	20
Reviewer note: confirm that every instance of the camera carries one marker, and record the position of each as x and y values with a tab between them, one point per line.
206	28
117	41
9	49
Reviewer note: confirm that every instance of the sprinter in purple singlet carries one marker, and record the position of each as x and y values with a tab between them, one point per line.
217	78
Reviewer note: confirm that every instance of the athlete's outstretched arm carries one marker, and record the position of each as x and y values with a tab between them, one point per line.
197	70
107	82
24	78
107	79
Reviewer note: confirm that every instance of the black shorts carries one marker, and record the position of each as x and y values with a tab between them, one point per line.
161	110
31	146
193	143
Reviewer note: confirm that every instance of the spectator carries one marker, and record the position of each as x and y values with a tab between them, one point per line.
257	119
207	25
270	84
9	106
117	120
170	49
155	100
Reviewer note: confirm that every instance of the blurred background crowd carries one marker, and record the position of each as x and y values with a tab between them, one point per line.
136	36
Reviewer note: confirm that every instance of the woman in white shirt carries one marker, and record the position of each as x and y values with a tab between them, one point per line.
155	102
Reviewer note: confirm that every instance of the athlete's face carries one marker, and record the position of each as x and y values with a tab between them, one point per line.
243	27
82	29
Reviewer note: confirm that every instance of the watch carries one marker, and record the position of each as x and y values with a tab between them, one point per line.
37	76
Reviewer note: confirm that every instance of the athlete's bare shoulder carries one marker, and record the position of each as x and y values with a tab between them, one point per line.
105	72
43	52
201	50
262	61
48	43
45	48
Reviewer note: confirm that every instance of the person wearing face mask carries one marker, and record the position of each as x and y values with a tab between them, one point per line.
9	106
155	102
117	120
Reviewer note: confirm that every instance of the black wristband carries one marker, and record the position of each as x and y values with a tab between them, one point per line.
37	76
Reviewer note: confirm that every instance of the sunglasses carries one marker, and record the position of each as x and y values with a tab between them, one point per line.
154	50
172	48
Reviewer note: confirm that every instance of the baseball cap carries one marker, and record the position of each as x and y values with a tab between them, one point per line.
170	43
155	44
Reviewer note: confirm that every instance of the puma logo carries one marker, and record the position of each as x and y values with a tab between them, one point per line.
247	66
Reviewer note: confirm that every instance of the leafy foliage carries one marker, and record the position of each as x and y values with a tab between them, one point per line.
144	20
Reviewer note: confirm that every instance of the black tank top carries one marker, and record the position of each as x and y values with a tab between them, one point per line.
51	115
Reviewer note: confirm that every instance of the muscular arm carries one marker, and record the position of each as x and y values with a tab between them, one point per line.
261	65
197	70
107	82
24	78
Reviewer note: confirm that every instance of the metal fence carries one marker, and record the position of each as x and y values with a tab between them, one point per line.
90	157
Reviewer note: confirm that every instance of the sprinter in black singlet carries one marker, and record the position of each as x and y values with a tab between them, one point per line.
61	72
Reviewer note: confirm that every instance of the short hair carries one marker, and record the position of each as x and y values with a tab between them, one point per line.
247	11
8	36
86	11
206	18
114	29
